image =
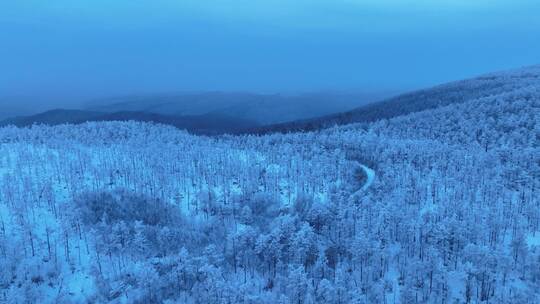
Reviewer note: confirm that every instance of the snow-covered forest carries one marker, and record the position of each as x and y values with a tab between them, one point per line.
436	206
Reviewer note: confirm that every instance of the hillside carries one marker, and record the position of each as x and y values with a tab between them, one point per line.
201	113
438	204
52	117
198	124
488	85
260	108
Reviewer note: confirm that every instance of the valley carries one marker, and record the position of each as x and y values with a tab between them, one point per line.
428	197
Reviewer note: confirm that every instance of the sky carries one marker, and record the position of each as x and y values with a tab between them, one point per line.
66	50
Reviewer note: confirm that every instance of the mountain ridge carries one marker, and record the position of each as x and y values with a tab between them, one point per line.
206	124
263	108
424	99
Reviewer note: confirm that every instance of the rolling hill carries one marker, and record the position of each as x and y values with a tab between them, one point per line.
492	84
438	205
242	113
200	113
198	124
264	109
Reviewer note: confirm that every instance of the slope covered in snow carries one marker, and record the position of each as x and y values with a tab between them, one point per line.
485	86
438	205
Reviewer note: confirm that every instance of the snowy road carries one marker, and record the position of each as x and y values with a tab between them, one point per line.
370	177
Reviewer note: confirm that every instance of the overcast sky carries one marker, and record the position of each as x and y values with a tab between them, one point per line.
77	49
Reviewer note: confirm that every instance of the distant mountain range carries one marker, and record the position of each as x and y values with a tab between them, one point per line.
264	109
202	113
200	124
242	113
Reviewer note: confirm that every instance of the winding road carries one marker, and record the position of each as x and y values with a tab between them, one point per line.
370	173
370	177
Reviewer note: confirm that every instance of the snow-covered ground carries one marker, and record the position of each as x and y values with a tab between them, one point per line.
370	173
533	239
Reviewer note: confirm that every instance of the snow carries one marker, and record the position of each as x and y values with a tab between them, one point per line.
5	218
456	281
370	173
533	239
462	186
81	286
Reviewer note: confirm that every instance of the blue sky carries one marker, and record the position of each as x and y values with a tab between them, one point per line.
78	49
